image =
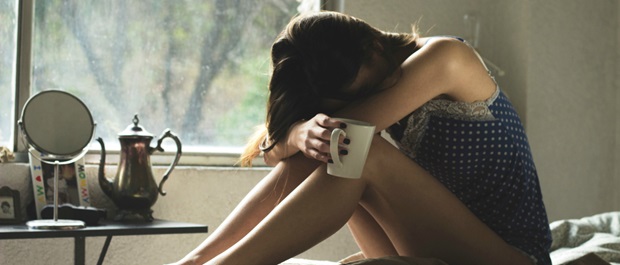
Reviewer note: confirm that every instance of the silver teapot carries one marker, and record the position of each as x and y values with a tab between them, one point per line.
134	190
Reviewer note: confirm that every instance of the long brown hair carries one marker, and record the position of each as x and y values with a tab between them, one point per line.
315	56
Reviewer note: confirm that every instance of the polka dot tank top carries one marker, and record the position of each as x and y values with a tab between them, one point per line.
480	152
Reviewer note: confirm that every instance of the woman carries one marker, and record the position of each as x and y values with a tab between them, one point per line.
461	185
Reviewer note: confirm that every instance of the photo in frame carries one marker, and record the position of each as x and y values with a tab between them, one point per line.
10	207
72	184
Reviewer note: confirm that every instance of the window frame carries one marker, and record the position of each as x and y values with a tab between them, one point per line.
23	68
215	156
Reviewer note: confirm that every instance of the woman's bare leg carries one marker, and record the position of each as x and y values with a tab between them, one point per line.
261	200
320	206
369	235
419	215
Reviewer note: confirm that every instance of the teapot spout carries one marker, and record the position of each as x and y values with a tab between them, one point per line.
104	183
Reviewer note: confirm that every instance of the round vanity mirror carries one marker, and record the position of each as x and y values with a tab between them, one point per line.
59	127
57	123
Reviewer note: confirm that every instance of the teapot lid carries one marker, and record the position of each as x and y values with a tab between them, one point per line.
135	130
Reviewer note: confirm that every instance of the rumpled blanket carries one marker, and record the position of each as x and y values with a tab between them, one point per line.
574	238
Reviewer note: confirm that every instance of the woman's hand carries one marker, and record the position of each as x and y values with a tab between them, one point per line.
312	137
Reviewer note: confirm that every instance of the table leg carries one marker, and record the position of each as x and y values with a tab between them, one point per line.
104	250
79	250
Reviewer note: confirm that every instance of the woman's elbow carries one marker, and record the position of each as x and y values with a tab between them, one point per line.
270	160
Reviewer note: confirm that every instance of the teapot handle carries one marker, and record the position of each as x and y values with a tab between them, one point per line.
165	134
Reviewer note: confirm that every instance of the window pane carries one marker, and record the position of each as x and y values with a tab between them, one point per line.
8	31
197	67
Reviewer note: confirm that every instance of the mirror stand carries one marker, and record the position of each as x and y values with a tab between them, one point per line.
55	223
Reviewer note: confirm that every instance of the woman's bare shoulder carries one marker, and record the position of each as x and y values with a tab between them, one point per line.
438	59
448	48
453	65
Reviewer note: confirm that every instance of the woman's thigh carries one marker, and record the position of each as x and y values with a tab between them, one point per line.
423	218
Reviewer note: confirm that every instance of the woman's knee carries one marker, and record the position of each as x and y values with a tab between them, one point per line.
292	171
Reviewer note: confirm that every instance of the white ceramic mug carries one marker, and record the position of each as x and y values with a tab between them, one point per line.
351	165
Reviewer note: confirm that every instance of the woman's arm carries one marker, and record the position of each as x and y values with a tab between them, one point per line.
444	66
281	150
306	136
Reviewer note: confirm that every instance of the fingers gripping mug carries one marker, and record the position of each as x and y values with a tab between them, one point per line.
351	165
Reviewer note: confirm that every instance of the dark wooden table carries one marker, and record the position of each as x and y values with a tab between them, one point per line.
106	228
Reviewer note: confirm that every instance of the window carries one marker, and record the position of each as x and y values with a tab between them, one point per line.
200	68
8	31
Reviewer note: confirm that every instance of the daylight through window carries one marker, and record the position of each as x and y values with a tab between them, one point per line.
8	31
198	67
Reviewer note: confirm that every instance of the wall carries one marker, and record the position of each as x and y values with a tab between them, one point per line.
571	91
617	110
439	17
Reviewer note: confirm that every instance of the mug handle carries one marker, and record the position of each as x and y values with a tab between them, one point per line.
333	145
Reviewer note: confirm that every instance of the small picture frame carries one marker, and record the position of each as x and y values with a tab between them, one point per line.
10	207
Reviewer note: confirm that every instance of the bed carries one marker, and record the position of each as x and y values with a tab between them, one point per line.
589	240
